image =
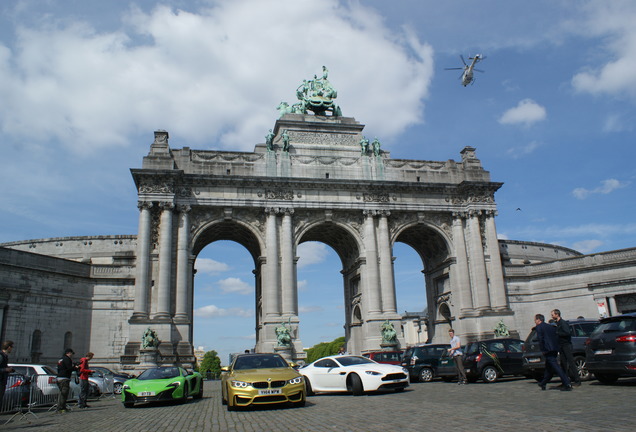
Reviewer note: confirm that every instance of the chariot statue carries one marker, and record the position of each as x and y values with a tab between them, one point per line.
316	95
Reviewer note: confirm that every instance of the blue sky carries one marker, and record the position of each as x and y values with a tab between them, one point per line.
85	83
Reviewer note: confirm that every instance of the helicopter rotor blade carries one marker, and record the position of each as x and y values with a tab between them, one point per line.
463	61
479	70
453	68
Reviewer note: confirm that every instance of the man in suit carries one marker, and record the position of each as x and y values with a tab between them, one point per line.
565	348
549	343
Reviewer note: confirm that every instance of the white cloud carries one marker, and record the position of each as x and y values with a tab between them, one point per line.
210	266
235	285
310	253
606	187
587	246
519	152
614	73
302	285
617	123
526	113
204	75
212	311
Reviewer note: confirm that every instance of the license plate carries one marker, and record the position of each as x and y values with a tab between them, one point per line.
269	392
534	360
146	393
603	352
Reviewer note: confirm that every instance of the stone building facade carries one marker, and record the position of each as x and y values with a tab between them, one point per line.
100	293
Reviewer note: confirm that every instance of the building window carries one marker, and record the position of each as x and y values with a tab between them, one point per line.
36	346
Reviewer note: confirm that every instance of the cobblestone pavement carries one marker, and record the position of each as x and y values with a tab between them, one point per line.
512	404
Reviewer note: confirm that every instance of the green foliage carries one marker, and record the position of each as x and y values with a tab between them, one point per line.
210	365
324	349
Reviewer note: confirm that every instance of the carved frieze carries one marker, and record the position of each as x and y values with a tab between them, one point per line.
277	194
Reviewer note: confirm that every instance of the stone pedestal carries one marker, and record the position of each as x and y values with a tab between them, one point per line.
389	346
148	358
285	352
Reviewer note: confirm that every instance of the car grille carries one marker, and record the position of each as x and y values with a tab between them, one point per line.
265	384
394	376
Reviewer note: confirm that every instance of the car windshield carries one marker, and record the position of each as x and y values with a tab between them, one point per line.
159	373
353	360
259	362
616	325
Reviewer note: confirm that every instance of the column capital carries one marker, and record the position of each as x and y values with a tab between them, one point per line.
272	210
288	211
490	213
141	205
370	213
384	213
184	208
167	205
460	215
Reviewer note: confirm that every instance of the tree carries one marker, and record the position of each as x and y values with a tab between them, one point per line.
324	349
210	365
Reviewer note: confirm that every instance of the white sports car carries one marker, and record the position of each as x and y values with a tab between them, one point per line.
354	374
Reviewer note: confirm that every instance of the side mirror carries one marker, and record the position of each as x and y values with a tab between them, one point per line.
225	369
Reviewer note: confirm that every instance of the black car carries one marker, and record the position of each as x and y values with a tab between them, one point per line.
611	349
422	361
534	362
489	359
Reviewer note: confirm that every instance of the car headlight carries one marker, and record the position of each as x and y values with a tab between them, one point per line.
239	384
126	386
405	370
174	384
296	380
372	373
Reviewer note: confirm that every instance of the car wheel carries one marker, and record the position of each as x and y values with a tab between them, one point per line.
355	385
489	374
426	375
606	378
117	387
584	374
128	404
308	389
199	394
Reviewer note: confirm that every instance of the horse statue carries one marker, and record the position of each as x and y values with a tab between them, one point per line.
284	108
150	339
389	335
283	335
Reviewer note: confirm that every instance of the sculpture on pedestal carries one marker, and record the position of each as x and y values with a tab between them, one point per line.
283	335
149	339
389	335
315	95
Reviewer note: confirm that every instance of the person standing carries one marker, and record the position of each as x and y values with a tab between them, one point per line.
456	353
5	370
65	368
549	343
84	372
565	347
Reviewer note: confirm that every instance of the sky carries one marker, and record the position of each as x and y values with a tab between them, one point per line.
84	84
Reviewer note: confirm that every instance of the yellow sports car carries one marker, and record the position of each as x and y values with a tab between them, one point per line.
259	379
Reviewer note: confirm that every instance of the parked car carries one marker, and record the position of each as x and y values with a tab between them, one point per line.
534	361
386	357
422	361
164	383
488	359
119	378
261	379
353	374
611	349
46	379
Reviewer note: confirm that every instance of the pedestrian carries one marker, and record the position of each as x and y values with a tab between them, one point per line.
456	353
565	348
65	368
5	370
84	372
549	343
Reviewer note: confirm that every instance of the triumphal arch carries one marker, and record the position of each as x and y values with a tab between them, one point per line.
317	178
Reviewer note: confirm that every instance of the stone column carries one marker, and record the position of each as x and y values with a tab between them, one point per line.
495	271
387	281
372	280
477	264
461	273
142	281
165	261
183	265
288	280
271	288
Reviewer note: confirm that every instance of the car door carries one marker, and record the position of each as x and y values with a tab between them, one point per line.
328	376
514	352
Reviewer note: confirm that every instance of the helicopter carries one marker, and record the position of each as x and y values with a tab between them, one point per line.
467	76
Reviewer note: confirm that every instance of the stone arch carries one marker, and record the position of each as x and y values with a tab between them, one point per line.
434	246
212	231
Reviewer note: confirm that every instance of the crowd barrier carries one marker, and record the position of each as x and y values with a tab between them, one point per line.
23	393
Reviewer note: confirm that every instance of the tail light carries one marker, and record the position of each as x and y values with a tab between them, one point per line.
626	338
588	341
52	380
478	358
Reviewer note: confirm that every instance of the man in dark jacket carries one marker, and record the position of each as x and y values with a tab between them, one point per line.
65	368
549	343
565	347
5	370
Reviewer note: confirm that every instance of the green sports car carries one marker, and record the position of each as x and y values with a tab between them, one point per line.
164	383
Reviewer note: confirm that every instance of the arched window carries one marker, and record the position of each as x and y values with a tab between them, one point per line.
68	340
36	346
